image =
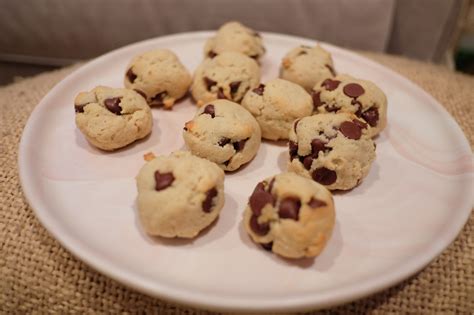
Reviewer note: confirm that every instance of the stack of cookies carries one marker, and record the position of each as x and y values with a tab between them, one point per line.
329	120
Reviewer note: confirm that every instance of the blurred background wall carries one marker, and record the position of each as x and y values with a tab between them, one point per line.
38	35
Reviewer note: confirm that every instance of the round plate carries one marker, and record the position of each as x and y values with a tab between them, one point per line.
412	205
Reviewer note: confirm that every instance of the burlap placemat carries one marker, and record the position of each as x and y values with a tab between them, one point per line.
38	276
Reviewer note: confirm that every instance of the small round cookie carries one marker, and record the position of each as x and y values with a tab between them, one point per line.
290	215
179	195
223	132
335	150
227	76
159	76
276	105
234	36
306	66
112	118
347	94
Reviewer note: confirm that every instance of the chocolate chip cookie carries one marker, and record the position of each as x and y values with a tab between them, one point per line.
233	36
159	76
276	105
179	195
112	118
227	76
290	215
334	150
344	93
305	65
223	132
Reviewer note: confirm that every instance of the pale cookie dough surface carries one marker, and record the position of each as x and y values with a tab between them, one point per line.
227	76
332	149
276	105
223	132
348	94
306	66
234	36
290	215
159	76
179	195
112	118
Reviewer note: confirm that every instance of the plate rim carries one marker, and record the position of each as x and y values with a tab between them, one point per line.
185	296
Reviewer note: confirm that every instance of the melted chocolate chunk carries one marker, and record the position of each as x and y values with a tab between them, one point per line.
112	104
270	185
316	203
210	110
207	203
224	141
317	145
308	161
330	85
209	83
239	145
79	108
157	100
211	54
350	130
163	180
359	123
267	246
234	86
130	75
257	228
324	176
220	94
371	116
289	208
353	90
293	148
254	56
259	199
260	89
316	99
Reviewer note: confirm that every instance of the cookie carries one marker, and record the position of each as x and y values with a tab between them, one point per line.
290	215
223	132
234	36
112	118
159	76
307	66
179	195
276	105
347	94
334	150
226	76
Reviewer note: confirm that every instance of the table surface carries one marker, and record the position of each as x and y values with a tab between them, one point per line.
38	275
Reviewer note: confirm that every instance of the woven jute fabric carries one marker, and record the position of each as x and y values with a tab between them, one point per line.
37	275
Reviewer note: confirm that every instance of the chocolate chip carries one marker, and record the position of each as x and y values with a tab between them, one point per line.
260	229
112	104
130	75
254	56
316	99
331	69
353	90
224	141
259	199
234	86
140	92
330	85
220	94
207	203
157	100
324	176
79	108
296	124
316	203
163	180
209	83
209	109
289	208
332	108
239	145
350	130
371	116
317	145
270	185
307	162
359	123
267	246
211	54
293	148
260	89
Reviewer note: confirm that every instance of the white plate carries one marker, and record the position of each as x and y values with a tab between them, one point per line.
412	205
